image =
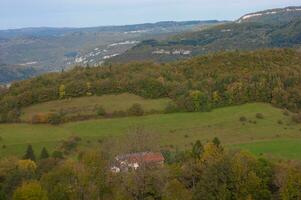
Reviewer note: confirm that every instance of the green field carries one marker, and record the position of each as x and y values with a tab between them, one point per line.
266	137
87	105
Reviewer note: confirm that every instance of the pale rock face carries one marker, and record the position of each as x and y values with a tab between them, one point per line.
123	43
267	13
110	56
173	52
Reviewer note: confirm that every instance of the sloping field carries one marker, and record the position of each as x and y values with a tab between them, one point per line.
264	136
88	105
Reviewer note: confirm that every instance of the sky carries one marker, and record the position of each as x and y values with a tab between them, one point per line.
87	13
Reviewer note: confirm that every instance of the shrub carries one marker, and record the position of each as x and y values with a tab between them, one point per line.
243	119
286	113
77	138
39	119
119	113
69	145
57	154
171	107
136	110
279	121
259	116
297	118
100	111
55	119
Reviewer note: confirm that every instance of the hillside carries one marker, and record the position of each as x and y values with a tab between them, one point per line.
198	84
174	130
272	16
54	49
90	106
266	29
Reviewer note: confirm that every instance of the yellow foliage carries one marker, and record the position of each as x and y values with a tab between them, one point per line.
27	165
30	191
211	152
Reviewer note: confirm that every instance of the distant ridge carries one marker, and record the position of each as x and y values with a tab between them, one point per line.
274	28
289	12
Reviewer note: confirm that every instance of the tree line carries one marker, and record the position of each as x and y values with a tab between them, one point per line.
207	171
198	84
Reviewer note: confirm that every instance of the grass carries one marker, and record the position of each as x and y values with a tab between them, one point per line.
87	105
278	148
266	136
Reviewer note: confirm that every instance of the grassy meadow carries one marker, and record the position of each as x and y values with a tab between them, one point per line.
88	105
267	136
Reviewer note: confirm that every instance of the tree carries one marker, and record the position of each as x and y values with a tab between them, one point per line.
27	166
29	153
200	100
291	188
44	154
175	190
62	91
197	149
30	191
216	141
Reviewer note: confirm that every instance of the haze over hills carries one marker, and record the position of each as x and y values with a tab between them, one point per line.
31	51
265	29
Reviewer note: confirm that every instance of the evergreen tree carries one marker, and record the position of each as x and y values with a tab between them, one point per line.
197	149
29	154
216	142
44	153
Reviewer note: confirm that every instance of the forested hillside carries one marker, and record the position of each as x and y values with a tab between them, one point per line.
198	84
266	29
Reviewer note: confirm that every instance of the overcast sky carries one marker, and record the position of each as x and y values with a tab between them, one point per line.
84	13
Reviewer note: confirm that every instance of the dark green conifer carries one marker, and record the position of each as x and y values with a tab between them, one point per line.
44	154
29	154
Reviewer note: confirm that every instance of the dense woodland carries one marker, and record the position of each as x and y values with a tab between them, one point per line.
205	172
198	84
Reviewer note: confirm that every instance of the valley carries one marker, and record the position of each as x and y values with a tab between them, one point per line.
44	50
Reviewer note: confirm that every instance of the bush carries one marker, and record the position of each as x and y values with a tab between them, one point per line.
39	119
171	107
100	111
119	113
57	154
243	119
280	121
286	113
136	110
69	145
259	116
297	118
55	119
